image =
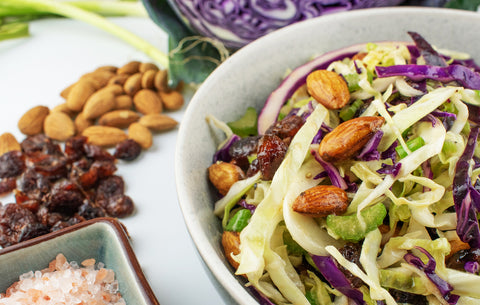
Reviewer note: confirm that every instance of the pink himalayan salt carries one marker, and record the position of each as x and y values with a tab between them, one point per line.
65	283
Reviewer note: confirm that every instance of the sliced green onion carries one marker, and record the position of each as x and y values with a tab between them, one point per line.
239	220
352	81
412	144
348	112
13	30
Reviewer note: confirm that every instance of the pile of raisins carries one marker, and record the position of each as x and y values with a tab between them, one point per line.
55	189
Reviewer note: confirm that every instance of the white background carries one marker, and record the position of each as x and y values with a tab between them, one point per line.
34	70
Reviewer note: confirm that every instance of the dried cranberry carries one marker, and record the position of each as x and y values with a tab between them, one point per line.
12	164
270	154
127	150
110	187
104	168
241	149
97	153
118	206
351	251
51	166
64	198
40	143
459	258
286	128
88	211
33	184
253	168
7	185
74	148
18	224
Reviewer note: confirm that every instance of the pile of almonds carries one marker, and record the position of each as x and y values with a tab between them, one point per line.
108	106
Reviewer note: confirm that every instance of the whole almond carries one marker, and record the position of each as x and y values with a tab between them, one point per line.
99	103
147	101
158	122
100	77
321	200
148	79
141	135
172	100
223	175
114	88
8	142
119	118
81	123
348	138
31	122
161	80
109	68
146	66
78	95
133	84
104	136
129	68
66	91
328	88
231	246
123	102
58	126
118	79
63	108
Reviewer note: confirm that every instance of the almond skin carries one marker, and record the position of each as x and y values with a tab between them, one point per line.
129	68
123	102
141	135
58	126
321	201
223	175
118	79
104	136
172	100
158	122
79	94
147	66
147	101
81	123
161	80
133	84
348	138
8	142
148	79
31	123
231	246
99	103
118	118
328	88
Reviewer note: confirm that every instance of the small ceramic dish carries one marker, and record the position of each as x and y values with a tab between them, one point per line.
103	239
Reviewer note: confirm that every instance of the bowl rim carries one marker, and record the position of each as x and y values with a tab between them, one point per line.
123	237
220	271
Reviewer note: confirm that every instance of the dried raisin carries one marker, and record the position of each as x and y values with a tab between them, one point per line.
270	154
127	150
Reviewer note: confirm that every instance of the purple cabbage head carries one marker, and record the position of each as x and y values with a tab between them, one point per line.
236	23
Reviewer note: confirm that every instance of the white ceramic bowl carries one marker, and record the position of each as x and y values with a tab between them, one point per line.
247	78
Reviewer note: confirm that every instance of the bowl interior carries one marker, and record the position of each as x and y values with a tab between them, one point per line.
101	239
247	78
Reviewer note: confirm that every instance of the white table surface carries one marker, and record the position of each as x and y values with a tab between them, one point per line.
34	70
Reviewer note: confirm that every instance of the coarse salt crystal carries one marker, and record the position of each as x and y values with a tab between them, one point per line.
67	284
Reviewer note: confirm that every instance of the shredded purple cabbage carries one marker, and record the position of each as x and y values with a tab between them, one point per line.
472	267
465	196
429	54
328	268
463	75
429	268
222	154
246	205
429	118
369	151
390	153
261	298
443	114
390	169
332	172
473	113
237	23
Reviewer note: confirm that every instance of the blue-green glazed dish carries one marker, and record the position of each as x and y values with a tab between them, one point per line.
103	239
